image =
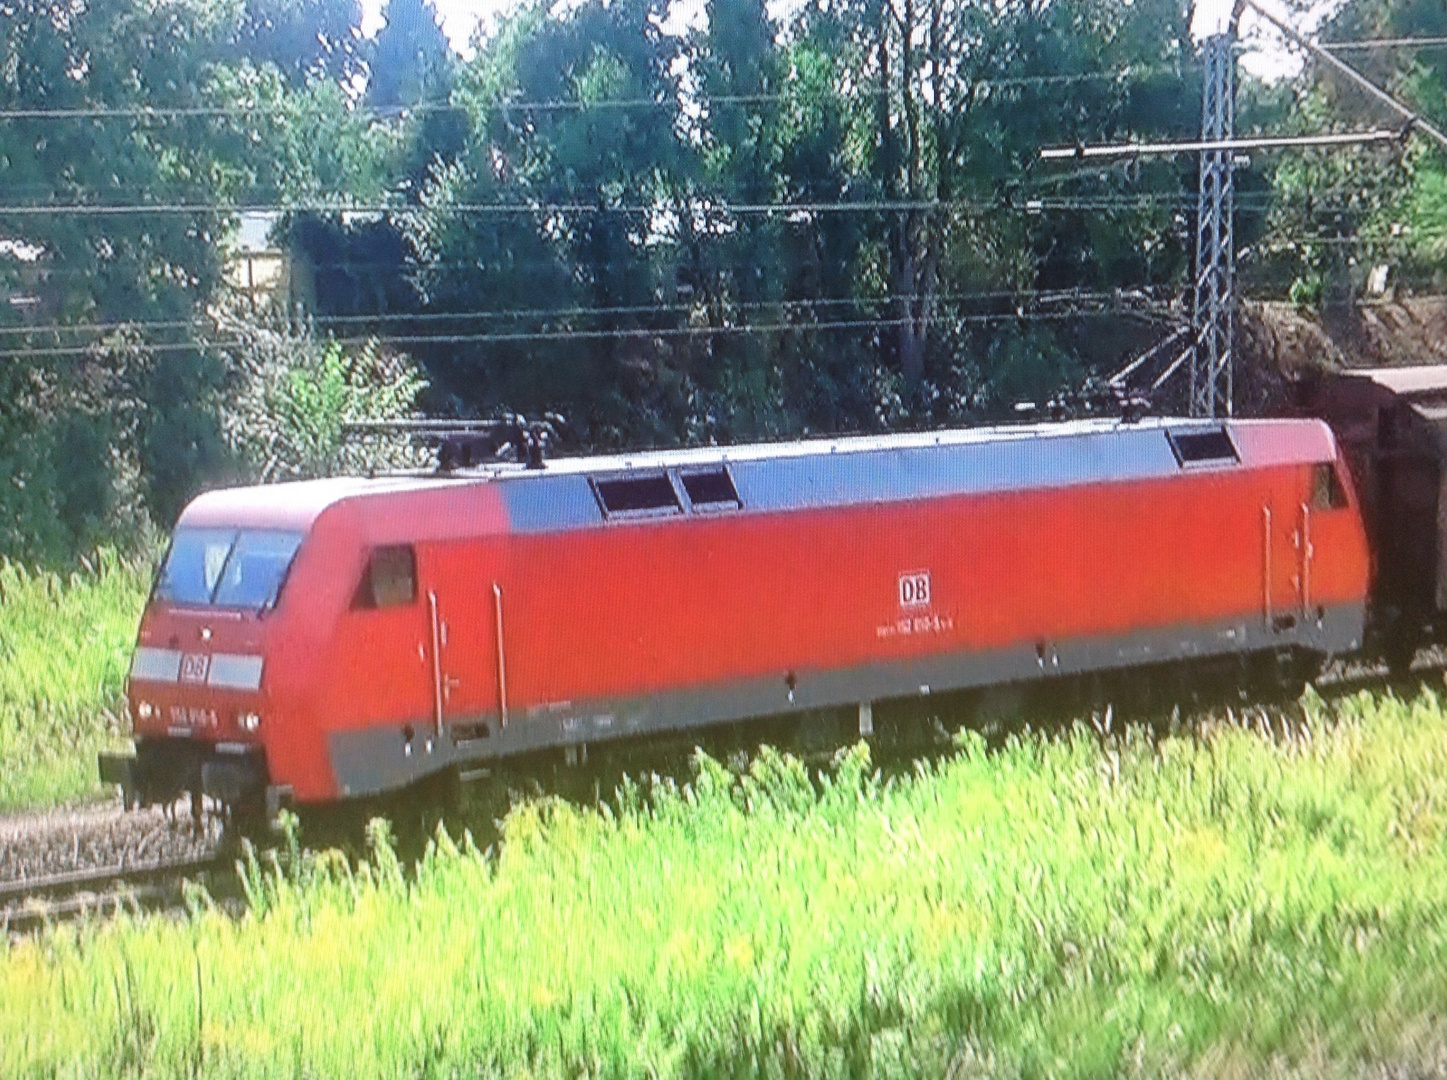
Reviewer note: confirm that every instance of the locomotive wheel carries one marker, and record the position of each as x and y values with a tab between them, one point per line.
245	823
1283	674
1399	653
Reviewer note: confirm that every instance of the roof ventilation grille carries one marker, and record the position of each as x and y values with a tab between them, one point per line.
1210	447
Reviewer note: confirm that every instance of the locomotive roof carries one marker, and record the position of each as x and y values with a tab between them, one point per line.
844	444
296	504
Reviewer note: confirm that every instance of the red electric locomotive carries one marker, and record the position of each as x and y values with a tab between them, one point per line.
326	639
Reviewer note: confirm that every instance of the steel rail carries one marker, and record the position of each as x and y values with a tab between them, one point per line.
36	915
20	890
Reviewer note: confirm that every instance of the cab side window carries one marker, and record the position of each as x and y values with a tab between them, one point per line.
390	579
1327	492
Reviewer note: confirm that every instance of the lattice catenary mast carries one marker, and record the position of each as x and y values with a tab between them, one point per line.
1213	313
1214	306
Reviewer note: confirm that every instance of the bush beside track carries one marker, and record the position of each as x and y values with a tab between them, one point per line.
1230	901
65	643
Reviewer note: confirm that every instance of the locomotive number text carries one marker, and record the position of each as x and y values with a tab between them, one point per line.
190	716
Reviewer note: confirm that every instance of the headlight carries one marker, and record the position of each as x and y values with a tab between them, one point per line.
249	721
145	710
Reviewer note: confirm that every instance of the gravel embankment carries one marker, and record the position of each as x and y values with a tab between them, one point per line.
94	837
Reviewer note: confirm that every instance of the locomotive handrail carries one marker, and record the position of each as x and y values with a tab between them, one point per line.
436	662
501	656
1266	575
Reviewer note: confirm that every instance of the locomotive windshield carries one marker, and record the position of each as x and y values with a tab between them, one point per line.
236	568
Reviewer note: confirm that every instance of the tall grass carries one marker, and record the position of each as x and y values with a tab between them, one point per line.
64	646
1063	907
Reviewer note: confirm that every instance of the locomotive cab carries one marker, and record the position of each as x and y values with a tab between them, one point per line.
274	607
197	692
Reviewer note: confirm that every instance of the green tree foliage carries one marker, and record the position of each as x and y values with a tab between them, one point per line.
303	39
412	65
1337	214
360	267
100	268
605	256
410	59
776	323
284	144
92	421
635	222
296	392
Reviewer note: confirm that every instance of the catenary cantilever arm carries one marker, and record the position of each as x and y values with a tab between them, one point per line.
1351	74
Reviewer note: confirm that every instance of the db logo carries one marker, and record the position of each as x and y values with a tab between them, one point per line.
914	591
194	667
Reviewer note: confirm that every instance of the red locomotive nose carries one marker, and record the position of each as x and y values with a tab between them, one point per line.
199	663
196	687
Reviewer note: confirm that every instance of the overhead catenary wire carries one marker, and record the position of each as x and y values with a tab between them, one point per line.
701	206
1304	239
96	346
1101	203
1413	119
342	207
583	312
589	335
1322	199
1265	142
676	101
708	331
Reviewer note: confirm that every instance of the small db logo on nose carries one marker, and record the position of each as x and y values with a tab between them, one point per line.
914	591
194	667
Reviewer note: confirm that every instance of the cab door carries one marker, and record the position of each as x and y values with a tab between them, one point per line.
465	652
1281	596
1287	554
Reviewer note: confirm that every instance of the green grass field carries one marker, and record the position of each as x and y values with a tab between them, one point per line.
1230	902
65	644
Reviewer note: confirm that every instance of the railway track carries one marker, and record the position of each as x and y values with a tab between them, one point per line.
28	904
1343	678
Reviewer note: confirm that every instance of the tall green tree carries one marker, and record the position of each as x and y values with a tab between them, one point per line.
90	267
410	59
116	136
414	67
1335	215
573	114
303	39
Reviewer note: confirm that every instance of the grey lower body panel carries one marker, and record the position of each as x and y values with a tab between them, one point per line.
380	759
